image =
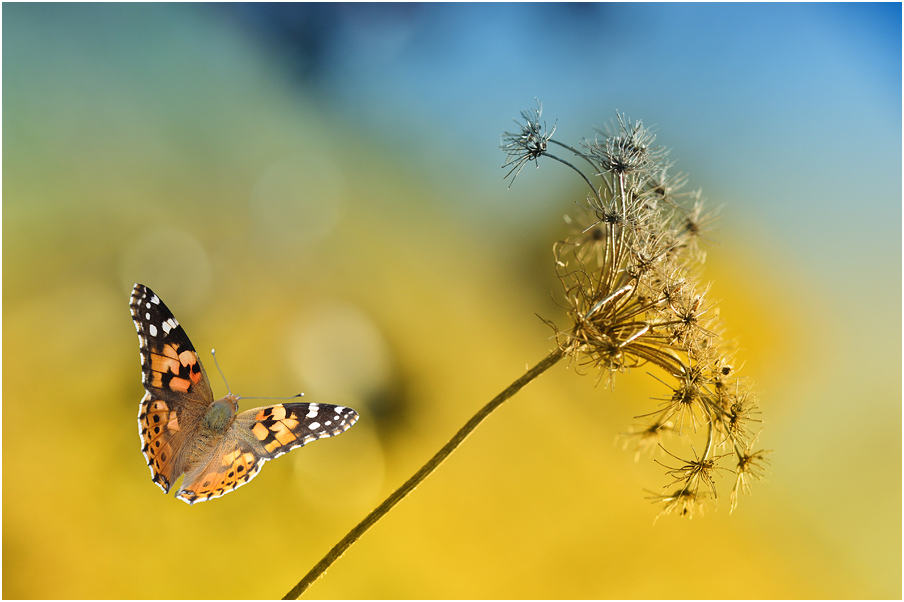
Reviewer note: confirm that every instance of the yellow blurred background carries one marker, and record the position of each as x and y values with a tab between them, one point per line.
315	191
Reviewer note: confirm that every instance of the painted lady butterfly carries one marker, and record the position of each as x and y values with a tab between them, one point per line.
182	428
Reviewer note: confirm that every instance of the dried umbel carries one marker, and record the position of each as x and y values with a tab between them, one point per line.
631	278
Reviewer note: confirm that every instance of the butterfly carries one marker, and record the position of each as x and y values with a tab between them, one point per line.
184	430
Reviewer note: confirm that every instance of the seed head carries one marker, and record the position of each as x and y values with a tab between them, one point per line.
647	437
529	144
627	149
683	502
632	290
751	466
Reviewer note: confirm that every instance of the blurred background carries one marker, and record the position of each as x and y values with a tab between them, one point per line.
315	190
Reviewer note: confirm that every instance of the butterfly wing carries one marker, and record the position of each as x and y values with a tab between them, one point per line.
259	435
177	390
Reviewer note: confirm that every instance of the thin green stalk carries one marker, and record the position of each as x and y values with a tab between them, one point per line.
434	462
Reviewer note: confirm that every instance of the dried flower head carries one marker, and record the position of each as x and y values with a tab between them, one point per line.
646	438
626	149
529	144
683	502
751	466
694	473
630	272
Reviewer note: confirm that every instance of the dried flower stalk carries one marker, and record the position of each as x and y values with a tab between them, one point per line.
632	292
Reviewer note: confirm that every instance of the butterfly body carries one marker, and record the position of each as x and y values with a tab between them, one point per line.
184	430
221	414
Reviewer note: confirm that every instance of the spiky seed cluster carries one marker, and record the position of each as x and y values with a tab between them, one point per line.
627	149
529	144
632	290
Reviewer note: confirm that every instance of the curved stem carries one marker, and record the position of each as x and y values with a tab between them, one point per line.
579	172
425	471
577	153
602	302
710	438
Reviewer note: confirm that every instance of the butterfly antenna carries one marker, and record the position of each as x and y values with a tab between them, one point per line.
213	352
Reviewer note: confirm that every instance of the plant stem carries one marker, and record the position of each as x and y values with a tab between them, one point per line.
579	172
421	474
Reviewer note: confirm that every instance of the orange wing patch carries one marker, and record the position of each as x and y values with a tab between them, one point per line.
182	369
276	427
158	426
220	476
284	427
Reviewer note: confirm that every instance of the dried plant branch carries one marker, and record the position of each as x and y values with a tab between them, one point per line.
426	470
633	297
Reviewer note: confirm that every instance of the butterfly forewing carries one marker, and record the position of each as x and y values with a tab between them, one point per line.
280	428
170	366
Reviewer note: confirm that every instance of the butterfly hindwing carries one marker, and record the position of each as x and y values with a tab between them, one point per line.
259	435
233	463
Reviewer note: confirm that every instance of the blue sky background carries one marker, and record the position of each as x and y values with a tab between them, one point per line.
791	109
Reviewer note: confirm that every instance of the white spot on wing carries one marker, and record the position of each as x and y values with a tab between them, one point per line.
170	325
152	330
